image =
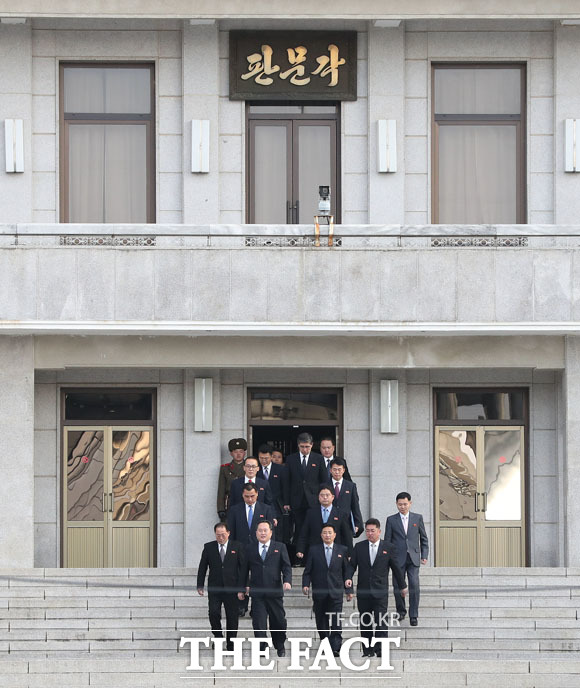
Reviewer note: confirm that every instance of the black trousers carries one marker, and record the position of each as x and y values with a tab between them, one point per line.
269	609
373	611
230	603
412	573
326	613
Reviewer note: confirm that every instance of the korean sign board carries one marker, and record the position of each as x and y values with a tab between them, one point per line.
292	65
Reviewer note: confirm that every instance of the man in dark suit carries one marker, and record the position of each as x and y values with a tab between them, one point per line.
243	518
346	496
326	571
327	450
305	471
406	531
273	474
324	512
373	559
251	467
226	561
243	521
268	573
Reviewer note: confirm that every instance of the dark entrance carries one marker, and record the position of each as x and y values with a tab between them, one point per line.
278	416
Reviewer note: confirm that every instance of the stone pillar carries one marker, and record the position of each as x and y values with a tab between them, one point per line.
17	452
386	101
200	469
16	103
571	476
201	101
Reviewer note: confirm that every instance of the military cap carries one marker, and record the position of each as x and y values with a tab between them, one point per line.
237	443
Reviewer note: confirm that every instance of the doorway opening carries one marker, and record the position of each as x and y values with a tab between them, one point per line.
277	416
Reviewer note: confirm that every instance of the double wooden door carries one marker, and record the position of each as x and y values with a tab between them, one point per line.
479	489
108	497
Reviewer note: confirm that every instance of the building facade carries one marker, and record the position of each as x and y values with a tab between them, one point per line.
162	288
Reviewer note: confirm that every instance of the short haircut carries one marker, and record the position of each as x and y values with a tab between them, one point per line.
221	524
403	495
328	438
252	457
338	461
328	525
248	487
269	523
324	486
305	438
373	522
265	449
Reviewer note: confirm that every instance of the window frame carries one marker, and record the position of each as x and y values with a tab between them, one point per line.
293	122
519	121
66	119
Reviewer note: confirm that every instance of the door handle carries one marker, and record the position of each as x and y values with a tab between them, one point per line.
289	212
111	502
297	212
477	509
104	502
484	495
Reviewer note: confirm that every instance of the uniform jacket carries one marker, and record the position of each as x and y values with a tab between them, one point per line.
223	576
264	492
326	580
373	581
265	578
228	473
415	542
238	523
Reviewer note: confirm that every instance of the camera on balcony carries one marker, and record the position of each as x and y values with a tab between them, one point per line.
324	200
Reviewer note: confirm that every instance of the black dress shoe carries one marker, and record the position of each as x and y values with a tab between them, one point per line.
378	652
336	653
368	652
402	615
413	621
281	652
241	612
229	646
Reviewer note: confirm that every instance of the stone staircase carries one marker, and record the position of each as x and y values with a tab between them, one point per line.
122	628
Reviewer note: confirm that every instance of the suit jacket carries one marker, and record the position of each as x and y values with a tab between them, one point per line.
265	578
373	581
276	483
310	533
223	576
264	492
348	502
301	489
326	580
228	473
415	542
238	523
346	472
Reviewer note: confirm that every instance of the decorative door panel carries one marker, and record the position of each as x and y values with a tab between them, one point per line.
107	502
480	496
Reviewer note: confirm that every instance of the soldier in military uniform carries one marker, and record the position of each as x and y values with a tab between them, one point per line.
229	472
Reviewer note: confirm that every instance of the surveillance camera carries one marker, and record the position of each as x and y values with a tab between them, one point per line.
324	200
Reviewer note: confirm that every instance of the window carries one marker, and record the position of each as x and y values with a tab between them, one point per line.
478	144
293	149
107	158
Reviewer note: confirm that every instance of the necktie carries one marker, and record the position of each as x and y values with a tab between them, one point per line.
250	516
373	552
325	515
265	473
405	523
303	463
263	555
222	553
328	555
336	490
